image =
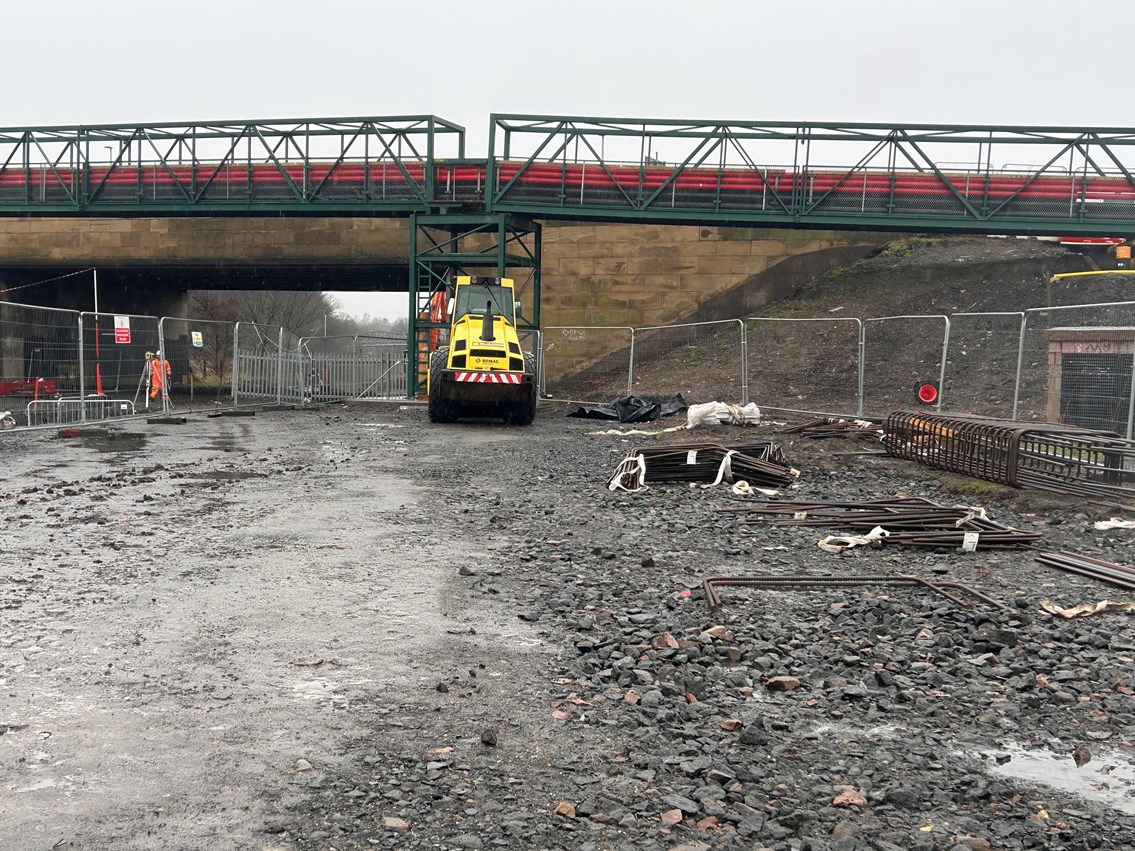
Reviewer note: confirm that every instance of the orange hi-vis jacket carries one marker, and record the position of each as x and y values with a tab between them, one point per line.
157	376
439	311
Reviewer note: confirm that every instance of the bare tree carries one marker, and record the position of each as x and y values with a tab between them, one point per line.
300	313
215	356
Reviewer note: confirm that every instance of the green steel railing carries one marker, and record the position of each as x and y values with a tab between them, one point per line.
1053	180
346	165
918	177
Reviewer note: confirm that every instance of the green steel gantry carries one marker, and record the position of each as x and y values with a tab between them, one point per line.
445	245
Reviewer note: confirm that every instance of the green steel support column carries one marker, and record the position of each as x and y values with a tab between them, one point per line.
539	251
502	241
412	324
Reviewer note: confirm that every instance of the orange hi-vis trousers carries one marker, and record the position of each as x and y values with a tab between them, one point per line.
157	376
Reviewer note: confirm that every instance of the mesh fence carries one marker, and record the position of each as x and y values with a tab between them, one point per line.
532	343
39	358
75	410
1076	366
900	353
703	361
587	364
381	365
804	364
113	356
981	364
261	370
1073	365
200	354
351	367
292	378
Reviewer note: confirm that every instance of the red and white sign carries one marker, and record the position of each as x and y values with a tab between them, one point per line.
122	329
489	377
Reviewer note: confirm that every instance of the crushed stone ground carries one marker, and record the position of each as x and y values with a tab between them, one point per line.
346	628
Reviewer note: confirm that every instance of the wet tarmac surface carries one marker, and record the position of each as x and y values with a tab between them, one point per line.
190	610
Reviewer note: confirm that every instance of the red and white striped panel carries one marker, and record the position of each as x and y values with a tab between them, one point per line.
489	377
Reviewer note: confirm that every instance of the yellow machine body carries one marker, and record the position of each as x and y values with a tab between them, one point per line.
482	372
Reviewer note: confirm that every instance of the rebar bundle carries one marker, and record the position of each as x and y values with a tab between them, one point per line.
835	427
759	464
1046	456
910	521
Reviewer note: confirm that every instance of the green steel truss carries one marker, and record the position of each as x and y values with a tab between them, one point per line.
1011	180
445	245
917	177
287	166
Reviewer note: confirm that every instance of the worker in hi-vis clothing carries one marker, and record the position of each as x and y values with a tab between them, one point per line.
159	371
439	312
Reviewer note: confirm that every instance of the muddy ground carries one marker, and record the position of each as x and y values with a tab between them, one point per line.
344	628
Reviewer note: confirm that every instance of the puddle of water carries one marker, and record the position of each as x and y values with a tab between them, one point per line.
228	475
108	441
1108	779
230	441
321	688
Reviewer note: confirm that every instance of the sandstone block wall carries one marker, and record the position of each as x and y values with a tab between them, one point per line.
641	275
593	274
156	241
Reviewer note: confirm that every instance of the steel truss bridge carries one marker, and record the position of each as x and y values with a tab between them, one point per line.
480	214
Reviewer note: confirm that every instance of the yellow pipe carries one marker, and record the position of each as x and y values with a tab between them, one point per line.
1061	275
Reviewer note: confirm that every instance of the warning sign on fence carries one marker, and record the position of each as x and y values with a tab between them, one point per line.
122	329
198	340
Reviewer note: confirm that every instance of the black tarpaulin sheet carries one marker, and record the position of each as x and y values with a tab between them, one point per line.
631	409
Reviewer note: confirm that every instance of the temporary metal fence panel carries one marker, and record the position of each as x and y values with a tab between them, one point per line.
805	365
531	342
200	354
113	360
65	411
39	356
704	361
260	362
381	368
381	371
901	353
291	369
1075	366
587	364
980	373
353	367
329	367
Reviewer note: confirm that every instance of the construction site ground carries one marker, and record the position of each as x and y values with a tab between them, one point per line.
345	628
342	627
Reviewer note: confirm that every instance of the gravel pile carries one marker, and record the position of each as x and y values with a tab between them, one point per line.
831	719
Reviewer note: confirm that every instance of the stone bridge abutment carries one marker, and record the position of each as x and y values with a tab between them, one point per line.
593	273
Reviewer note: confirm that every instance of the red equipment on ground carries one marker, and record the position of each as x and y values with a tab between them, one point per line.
34	387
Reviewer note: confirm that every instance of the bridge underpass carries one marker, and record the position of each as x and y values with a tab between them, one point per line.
803	176
161	288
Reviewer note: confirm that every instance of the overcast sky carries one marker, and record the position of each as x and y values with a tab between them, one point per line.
1024	62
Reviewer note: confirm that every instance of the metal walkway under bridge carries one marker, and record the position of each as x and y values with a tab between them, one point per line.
975	179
